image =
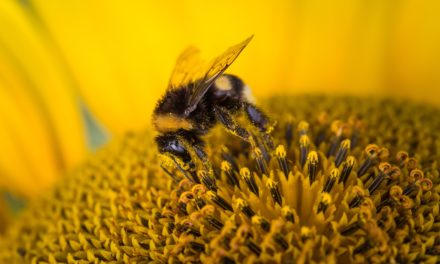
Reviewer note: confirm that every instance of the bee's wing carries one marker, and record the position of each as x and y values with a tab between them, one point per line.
188	68
215	69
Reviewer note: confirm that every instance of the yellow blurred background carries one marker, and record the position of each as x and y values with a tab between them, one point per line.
59	59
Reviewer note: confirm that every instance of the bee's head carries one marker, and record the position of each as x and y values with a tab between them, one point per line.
169	143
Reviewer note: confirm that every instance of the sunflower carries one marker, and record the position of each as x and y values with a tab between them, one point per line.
58	58
63	64
326	193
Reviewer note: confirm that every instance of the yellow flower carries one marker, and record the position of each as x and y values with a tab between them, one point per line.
115	58
351	181
121	53
41	131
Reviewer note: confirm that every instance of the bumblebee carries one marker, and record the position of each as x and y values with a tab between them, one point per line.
197	98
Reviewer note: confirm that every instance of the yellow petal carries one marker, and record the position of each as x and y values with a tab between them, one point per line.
122	52
40	116
28	162
120	62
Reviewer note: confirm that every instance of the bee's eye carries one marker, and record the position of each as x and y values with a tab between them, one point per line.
170	144
177	147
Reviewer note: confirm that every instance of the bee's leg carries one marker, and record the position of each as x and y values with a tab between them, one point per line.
260	121
185	171
229	123
196	147
201	154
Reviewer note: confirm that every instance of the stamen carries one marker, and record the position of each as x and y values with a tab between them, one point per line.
393	174
405	202
412	187
342	152
402	158
396	191
262	148
425	184
336	127
287	213
227	168
326	199
253	247
384	168
279	239
250	180
304	144
372	151
389	198
200	203
198	189
280	153
261	162
356	201
306	233
219	201
382	205
186	197
244	207
214	222
207	180
187	227
346	170
370	175
303	128
362	248
227	260
312	160
263	223
351	228
415	175
229	158
170	227
182	207
334	175
383	154
400	221
412	164
384	219
275	192
196	246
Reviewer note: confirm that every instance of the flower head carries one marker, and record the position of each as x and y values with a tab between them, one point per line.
115	61
358	182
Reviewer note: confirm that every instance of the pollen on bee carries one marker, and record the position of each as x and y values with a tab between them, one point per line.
169	123
247	94
223	83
